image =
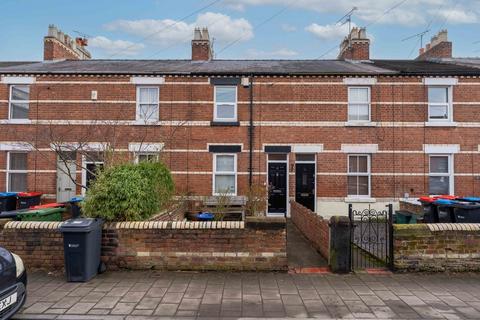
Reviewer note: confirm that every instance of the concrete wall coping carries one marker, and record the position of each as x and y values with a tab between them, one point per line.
136	225
437	227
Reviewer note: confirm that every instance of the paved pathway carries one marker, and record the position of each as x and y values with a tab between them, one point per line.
300	253
157	295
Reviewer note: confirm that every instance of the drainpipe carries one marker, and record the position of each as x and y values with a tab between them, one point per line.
250	136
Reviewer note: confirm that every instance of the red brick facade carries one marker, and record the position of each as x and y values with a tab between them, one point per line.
308	113
287	110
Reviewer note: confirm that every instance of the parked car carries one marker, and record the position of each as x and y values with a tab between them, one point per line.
13	283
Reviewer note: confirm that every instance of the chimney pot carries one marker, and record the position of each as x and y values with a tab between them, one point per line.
201	48
439	47
355	46
58	46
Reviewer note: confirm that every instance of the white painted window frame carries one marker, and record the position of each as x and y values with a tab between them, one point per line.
215	172
144	153
137	113
11	101
449	104
85	161
8	171
235	104
369	103
357	174
450	174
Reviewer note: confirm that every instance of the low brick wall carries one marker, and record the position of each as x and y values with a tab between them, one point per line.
412	206
256	244
312	226
437	247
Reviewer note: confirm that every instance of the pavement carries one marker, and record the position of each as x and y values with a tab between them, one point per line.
215	295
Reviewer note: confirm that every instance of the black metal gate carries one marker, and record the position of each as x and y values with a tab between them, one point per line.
371	238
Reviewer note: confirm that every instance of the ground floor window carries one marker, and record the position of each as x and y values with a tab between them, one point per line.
92	164
358	184
225	174
146	157
440	175
17	171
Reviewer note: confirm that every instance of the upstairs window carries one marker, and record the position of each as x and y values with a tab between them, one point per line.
225	174
19	102
440	176
225	109
439	103
147	104
358	175
359	104
17	172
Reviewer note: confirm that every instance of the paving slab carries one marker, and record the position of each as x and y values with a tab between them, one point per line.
222	295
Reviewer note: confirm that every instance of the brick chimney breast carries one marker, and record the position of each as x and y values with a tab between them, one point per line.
201	47
439	47
355	46
59	46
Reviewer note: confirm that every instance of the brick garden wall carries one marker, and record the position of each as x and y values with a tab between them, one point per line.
257	244
437	247
412	207
312	226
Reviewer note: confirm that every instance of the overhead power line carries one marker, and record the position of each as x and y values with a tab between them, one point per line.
168	27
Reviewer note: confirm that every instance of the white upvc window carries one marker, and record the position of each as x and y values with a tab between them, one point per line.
359	104
440	103
147	103
146	157
16	171
225	109
440	179
225	174
19	102
359	176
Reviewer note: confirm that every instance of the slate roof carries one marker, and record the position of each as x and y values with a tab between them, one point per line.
243	67
4	64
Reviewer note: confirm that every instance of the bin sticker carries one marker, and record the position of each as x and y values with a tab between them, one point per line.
73	245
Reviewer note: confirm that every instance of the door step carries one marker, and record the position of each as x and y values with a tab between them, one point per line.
310	270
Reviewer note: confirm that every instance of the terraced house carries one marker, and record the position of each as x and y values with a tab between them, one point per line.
323	132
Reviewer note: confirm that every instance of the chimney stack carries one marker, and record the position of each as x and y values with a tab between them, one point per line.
355	46
439	47
201	48
59	46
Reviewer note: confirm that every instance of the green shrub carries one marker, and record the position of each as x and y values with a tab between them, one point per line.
129	192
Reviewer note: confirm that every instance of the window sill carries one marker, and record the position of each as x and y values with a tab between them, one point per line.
16	121
146	123
441	124
225	124
360	200
360	124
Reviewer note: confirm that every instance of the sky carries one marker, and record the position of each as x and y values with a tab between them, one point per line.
242	29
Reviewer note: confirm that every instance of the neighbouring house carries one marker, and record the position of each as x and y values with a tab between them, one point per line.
323	132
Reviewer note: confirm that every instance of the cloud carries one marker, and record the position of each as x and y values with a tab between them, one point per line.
409	13
280	53
288	27
457	16
115	46
329	31
167	31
